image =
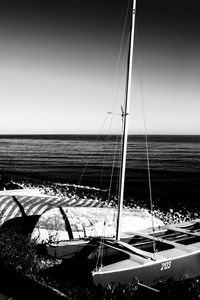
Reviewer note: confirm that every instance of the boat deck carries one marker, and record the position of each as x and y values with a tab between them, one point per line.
168	243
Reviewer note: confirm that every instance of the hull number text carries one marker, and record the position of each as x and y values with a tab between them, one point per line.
166	265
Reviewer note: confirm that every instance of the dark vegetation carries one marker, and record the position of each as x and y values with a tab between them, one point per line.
22	256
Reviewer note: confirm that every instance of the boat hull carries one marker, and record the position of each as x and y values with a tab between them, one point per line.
67	249
185	267
172	252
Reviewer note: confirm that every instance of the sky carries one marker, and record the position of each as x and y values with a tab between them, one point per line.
62	69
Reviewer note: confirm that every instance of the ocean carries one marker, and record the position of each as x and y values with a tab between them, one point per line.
88	160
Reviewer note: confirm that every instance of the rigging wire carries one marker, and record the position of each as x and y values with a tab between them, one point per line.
100	252
116	144
82	223
118	84
97	141
146	144
99	261
86	165
122	126
120	53
119	168
113	166
116	70
103	165
93	229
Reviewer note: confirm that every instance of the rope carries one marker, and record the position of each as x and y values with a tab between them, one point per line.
147	148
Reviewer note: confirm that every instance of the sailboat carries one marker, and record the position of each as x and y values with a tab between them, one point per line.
153	255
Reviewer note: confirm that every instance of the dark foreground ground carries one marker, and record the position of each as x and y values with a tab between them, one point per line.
68	278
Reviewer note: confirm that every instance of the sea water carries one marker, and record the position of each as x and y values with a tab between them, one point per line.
95	161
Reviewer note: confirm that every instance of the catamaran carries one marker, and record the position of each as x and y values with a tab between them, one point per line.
152	255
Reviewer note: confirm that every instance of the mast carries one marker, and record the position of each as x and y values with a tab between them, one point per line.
125	115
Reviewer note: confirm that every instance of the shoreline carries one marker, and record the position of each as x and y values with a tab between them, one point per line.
168	215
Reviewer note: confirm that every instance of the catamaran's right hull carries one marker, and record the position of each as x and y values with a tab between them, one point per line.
150	273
